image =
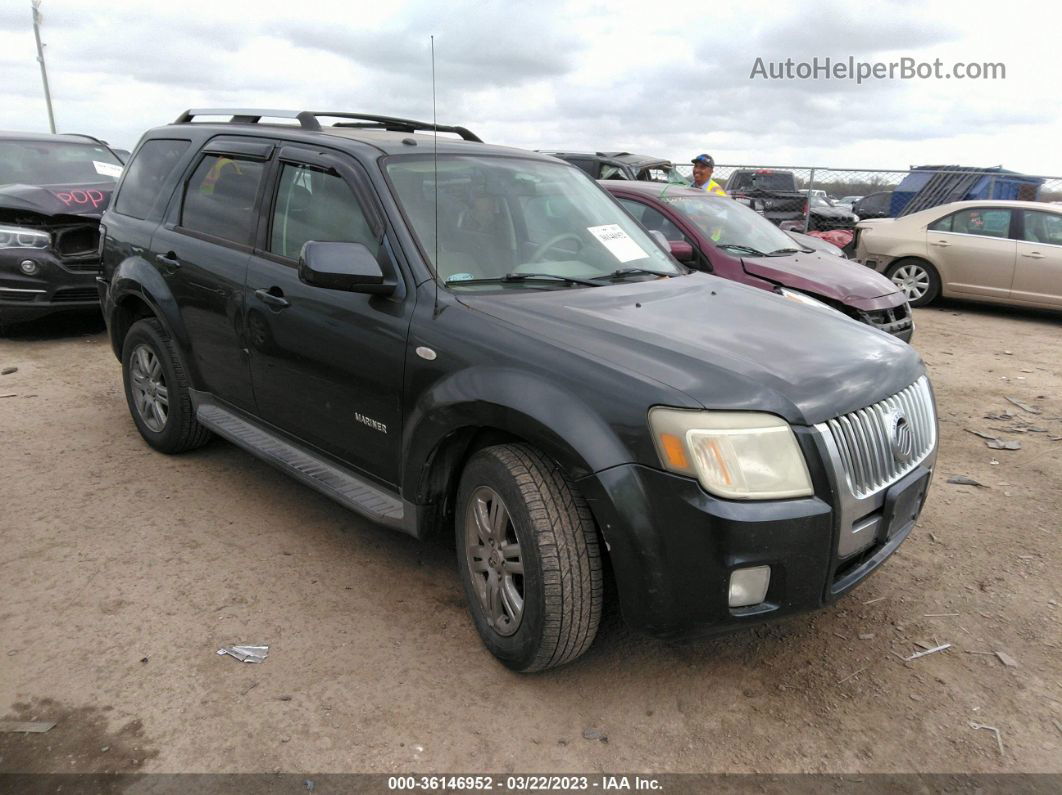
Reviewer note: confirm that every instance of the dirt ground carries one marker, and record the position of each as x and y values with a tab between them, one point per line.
122	571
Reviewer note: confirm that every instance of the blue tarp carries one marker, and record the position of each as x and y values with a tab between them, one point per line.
929	186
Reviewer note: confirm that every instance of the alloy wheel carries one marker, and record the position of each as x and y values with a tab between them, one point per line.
494	560
913	280
148	385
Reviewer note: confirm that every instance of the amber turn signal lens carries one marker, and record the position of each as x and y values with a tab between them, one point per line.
674	450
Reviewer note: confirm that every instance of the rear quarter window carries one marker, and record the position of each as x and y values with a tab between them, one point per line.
146	176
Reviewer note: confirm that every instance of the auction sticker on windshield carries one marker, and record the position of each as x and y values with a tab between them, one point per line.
618	242
107	169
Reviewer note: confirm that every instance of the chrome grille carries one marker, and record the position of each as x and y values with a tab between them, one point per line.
864	438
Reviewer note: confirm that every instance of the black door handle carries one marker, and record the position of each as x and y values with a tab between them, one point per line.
169	259
274	296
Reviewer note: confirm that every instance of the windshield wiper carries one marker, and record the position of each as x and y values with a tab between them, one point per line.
619	274
739	247
523	277
781	252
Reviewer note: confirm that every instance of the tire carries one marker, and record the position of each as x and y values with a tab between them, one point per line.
918	280
544	527
153	375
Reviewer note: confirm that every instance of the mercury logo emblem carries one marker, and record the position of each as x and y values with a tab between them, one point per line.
901	436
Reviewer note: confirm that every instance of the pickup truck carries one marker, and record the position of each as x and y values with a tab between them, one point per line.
770	192
475	342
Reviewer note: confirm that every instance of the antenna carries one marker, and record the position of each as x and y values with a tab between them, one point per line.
435	164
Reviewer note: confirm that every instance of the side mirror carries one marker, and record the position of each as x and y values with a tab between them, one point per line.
681	250
342	266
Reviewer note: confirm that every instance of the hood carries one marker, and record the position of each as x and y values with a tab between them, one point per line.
725	345
867	223
832	212
84	199
822	274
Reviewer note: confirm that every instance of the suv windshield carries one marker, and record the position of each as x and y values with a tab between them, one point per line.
500	217
56	163
729	223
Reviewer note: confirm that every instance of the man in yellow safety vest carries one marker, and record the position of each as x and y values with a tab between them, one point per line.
703	166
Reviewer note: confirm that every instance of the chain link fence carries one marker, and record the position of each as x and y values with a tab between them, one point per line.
876	193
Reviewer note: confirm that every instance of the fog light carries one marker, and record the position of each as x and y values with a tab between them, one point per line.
28	267
749	586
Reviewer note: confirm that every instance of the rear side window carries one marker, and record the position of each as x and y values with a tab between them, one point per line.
220	196
592	167
1043	228
146	176
313	205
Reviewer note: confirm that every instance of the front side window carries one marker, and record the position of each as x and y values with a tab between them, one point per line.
942	224
145	176
499	216
219	198
1043	228
653	220
314	205
732	225
985	222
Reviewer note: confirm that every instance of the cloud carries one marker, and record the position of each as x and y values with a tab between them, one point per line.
558	74
485	49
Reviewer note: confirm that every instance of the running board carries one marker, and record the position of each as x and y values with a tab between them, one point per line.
333	481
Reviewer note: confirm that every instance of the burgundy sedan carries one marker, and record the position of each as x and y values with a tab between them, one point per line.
722	236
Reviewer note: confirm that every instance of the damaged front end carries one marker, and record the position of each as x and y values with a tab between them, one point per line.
49	249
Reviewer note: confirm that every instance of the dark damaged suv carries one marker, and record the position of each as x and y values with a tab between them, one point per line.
53	190
479	341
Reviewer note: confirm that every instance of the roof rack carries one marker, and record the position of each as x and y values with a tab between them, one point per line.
308	120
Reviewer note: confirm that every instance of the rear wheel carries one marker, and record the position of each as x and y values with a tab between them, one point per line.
917	279
528	557
156	389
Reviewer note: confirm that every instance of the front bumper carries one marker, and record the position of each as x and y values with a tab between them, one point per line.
57	286
673	546
896	320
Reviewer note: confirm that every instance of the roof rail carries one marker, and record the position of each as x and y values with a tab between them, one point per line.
89	137
94	139
308	120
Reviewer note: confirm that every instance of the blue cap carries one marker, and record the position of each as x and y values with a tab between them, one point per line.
703	160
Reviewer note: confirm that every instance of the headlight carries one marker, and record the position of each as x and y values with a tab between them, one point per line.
23	237
802	298
740	455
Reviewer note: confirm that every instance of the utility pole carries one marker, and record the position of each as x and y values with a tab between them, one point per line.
40	60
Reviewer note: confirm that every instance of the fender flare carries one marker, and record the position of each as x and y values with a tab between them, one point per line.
554	419
136	277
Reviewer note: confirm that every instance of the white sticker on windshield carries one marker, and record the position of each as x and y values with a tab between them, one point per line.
618	242
107	169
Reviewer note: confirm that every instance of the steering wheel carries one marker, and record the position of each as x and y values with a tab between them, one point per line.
553	241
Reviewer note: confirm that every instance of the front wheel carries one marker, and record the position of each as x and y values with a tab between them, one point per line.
529	558
918	280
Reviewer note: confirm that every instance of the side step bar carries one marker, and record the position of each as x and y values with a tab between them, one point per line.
333	481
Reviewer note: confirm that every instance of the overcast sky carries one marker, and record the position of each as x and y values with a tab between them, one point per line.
669	79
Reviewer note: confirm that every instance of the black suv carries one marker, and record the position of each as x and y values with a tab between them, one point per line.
622	165
53	190
452	337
